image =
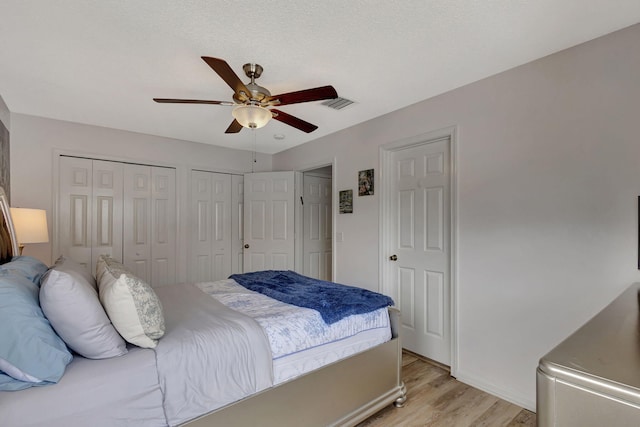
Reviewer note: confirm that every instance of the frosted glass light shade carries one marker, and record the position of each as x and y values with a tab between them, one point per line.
252	116
30	225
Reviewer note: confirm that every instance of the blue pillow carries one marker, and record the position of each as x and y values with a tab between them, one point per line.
30	351
26	266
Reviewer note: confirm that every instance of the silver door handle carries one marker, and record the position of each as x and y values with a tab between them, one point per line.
393	258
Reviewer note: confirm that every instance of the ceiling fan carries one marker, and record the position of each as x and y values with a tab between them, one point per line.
251	101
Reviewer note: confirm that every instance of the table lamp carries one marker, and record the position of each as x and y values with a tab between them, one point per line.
30	226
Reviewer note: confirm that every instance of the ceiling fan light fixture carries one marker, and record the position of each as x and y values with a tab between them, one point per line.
252	116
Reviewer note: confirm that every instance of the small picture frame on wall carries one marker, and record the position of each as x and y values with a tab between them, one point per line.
346	201
365	183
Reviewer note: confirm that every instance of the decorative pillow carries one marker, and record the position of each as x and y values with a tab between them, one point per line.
27	267
132	305
71	304
30	352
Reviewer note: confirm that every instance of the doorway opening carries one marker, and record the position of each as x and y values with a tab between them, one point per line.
317	220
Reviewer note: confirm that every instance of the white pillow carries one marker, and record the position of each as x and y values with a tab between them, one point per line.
70	302
132	305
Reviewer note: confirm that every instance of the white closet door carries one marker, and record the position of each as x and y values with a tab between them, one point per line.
269	221
106	218
75	192
137	220
123	210
211	226
237	223
163	226
317	227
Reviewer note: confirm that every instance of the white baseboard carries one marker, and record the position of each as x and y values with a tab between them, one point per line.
509	396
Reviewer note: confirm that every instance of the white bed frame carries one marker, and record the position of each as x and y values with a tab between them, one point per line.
340	394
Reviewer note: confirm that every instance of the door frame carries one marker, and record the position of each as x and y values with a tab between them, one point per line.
387	230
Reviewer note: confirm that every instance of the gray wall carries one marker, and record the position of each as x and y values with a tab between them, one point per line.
548	176
36	141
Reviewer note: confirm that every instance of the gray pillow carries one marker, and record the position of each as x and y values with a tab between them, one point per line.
70	302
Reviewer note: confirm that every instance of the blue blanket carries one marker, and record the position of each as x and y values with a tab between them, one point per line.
332	300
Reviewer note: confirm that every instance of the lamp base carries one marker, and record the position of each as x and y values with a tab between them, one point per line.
20	247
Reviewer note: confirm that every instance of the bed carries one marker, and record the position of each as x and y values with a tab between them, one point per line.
219	361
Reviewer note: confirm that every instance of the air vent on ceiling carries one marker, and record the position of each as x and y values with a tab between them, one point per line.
337	103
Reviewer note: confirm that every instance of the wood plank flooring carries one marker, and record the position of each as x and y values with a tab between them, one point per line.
436	399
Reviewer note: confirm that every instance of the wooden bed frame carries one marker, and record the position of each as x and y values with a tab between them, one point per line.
339	394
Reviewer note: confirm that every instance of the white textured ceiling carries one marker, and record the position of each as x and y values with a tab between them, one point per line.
101	62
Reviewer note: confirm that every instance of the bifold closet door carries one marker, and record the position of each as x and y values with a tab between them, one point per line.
211	226
149	223
164	222
89	217
119	209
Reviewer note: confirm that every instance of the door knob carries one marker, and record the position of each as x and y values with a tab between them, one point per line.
246	246
393	258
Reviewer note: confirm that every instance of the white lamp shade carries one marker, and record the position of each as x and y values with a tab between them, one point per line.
252	116
30	225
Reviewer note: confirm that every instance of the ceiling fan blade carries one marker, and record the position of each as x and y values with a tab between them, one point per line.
234	127
307	95
190	101
293	121
223	69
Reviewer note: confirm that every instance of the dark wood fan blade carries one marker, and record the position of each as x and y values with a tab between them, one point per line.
307	95
293	121
234	127
223	69
190	101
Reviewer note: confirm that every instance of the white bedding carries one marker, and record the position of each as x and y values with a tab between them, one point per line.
193	370
121	391
300	339
209	356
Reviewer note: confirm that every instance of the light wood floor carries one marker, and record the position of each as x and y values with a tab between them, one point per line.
439	400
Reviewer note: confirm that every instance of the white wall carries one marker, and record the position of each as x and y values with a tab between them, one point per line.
35	140
548	178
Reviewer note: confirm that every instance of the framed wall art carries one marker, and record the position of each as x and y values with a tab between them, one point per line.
365	183
346	201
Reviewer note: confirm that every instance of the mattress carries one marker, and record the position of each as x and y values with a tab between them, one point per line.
121	391
300	340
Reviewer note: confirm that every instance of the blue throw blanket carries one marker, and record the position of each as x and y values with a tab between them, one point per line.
332	300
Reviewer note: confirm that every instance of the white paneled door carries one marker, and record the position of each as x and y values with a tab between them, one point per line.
420	246
123	210
211	228
269	221
89	210
237	223
164	221
317	227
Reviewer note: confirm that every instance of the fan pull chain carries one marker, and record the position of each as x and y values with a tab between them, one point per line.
253	131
